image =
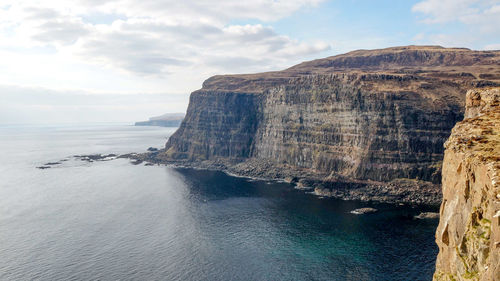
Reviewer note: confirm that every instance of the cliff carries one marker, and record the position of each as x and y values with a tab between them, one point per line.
468	234
368	117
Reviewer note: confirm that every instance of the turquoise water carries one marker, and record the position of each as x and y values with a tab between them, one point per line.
116	221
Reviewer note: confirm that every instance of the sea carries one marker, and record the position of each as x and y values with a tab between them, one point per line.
112	220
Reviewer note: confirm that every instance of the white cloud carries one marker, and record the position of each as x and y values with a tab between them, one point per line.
153	47
132	46
217	10
479	20
439	11
492	47
480	12
158	37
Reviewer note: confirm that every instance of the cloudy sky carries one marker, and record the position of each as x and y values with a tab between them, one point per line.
70	61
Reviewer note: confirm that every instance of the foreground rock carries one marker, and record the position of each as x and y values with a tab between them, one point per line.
396	191
362	211
367	117
468	234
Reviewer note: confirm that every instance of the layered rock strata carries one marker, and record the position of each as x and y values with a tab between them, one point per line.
375	120
468	234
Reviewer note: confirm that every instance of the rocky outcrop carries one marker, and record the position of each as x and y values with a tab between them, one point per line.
362	211
368	117
468	234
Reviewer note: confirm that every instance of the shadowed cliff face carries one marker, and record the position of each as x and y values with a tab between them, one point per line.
218	124
468	234
377	115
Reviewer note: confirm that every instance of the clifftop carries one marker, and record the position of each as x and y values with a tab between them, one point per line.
478	135
423	62
468	234
393	58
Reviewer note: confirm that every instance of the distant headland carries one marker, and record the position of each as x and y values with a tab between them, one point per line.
165	120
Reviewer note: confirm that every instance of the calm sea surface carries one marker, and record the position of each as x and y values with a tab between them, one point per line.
116	221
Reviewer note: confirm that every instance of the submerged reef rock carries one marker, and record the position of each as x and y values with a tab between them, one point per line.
374	118
468	234
362	211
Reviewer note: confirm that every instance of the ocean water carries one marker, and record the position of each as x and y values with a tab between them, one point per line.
116	221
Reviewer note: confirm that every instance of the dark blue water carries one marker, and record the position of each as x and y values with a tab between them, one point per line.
116	221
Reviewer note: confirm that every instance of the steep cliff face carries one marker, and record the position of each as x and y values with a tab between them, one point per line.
366	115
468	234
329	124
217	124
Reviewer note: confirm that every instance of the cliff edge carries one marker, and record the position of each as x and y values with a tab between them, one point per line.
367	125
468	234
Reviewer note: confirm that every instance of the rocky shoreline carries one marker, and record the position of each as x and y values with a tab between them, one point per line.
404	191
407	191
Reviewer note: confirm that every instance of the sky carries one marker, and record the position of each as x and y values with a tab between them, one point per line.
71	61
